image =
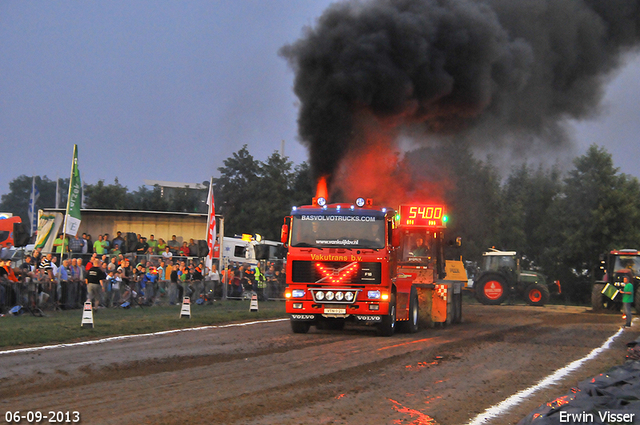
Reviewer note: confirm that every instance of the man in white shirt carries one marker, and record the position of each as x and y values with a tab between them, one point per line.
167	254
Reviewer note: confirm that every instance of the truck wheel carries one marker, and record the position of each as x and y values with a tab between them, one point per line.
597	303
388	325
537	294
411	325
491	290
300	327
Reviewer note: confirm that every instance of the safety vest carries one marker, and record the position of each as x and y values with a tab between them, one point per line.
262	283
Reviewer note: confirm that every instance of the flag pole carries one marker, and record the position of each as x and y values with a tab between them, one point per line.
75	192
208	237
66	213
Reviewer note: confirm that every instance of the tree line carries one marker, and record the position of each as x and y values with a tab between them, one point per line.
252	195
561	220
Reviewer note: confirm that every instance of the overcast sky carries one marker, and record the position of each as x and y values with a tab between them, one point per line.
167	90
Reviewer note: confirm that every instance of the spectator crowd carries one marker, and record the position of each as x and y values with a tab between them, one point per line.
112	274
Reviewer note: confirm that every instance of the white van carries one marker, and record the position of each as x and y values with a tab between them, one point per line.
238	251
242	251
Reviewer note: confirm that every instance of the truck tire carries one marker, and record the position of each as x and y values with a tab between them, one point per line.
300	327
537	294
388	325
597	303
491	289
411	325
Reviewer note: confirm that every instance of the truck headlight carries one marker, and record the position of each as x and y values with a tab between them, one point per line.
330	295
373	295
297	293
348	296
339	296
319	295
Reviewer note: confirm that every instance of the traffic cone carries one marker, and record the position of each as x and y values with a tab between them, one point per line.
87	315
254	302
185	311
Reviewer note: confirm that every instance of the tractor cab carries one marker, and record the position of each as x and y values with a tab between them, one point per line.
505	262
618	268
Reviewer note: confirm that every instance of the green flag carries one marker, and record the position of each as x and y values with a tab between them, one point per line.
72	219
610	291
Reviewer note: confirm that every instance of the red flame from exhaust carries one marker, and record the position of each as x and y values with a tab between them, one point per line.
321	188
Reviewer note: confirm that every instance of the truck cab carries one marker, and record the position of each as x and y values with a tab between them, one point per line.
6	230
360	263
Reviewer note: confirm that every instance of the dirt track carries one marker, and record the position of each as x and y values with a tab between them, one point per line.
264	374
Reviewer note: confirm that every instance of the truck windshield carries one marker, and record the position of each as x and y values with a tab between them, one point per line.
417	246
338	231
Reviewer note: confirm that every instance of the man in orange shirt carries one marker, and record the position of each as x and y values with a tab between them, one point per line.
10	273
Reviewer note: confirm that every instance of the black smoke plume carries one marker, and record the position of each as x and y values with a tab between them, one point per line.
506	72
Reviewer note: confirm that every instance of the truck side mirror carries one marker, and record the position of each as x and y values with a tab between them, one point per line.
284	234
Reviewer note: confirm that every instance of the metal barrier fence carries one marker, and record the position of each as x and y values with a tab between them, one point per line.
40	293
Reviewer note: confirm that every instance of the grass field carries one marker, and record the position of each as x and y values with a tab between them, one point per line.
65	326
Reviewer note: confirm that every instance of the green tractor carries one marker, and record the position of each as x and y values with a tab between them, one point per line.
618	268
500	278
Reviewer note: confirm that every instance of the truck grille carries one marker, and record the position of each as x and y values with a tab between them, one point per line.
309	272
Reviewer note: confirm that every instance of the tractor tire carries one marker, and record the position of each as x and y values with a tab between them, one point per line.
597	303
537	294
491	289
411	325
300	327
388	325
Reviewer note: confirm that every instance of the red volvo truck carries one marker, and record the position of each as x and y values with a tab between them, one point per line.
370	265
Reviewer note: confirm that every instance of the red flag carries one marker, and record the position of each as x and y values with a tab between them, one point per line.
211	225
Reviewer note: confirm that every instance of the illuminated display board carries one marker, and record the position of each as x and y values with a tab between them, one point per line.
422	215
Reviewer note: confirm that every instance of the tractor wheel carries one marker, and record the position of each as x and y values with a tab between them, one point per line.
411	325
537	294
388	325
597	303
300	327
491	290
